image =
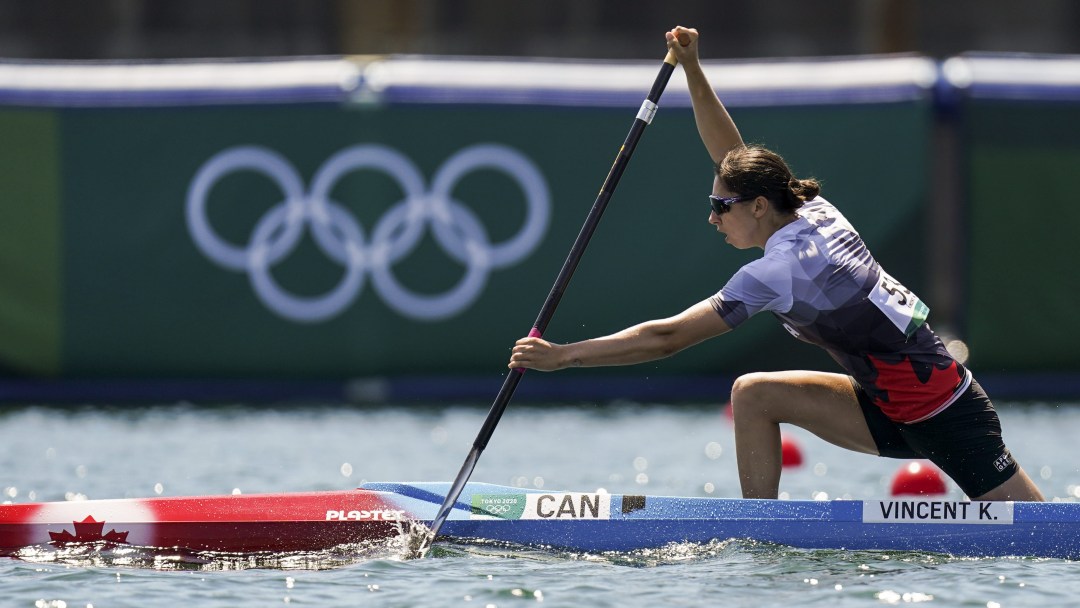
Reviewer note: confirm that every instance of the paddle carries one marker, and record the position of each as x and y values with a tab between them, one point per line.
644	117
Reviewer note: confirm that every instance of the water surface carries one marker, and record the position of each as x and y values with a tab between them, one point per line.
75	453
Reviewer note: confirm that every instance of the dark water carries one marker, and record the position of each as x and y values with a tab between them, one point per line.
58	454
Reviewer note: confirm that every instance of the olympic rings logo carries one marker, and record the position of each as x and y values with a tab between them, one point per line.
336	232
497	509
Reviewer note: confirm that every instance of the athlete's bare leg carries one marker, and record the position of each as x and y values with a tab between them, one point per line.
822	403
1017	487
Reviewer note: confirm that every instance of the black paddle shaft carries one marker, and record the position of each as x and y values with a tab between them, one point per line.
644	117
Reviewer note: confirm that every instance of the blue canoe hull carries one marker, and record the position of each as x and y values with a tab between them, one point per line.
613	522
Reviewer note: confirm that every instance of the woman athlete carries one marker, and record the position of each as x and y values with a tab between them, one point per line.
904	395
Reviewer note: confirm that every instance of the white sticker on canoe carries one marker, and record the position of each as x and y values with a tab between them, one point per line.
563	506
936	512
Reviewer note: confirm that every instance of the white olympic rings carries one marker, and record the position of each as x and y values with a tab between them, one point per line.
454	226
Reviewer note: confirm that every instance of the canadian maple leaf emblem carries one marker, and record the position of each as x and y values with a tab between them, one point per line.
88	531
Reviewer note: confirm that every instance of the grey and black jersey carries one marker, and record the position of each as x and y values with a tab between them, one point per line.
818	278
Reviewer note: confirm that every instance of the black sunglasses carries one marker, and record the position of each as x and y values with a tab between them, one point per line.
721	205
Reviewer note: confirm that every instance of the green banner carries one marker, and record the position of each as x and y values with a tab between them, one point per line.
30	242
1023	163
327	242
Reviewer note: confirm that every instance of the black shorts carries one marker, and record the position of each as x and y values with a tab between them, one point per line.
964	440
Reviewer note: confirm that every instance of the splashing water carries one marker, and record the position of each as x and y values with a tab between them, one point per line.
417	540
412	542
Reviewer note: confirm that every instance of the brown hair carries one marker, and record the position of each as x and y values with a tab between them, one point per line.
756	171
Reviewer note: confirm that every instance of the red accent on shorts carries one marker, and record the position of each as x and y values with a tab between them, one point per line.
909	398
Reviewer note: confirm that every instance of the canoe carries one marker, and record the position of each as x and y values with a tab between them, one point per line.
576	521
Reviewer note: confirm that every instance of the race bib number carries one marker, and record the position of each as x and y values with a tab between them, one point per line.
906	311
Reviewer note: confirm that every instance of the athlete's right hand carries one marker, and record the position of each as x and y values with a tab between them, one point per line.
535	353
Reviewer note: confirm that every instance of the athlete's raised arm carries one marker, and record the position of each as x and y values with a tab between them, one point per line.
714	124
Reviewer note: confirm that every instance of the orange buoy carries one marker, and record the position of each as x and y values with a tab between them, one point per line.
790	452
918	478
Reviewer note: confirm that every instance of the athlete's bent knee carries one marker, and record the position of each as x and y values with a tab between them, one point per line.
751	390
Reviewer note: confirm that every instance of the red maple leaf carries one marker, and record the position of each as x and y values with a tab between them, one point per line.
903	393
88	531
